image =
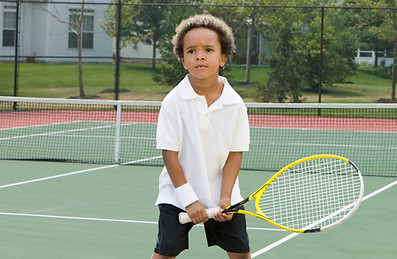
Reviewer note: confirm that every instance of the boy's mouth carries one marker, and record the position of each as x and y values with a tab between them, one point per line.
201	66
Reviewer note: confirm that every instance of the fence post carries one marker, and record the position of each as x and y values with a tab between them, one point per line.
16	58
117	72
320	70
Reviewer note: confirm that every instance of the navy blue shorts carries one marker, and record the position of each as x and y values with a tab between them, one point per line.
173	238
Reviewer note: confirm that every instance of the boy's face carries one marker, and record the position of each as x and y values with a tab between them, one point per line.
202	53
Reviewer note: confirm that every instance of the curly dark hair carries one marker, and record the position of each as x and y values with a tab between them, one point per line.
225	34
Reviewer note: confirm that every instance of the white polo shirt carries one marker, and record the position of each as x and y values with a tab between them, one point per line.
203	136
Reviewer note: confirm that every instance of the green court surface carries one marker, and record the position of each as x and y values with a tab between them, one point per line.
70	210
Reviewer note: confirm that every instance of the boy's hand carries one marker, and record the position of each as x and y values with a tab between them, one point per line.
222	217
197	213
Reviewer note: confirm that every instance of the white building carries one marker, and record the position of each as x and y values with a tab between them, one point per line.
368	57
45	33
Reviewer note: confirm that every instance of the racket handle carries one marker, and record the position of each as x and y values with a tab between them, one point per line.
184	217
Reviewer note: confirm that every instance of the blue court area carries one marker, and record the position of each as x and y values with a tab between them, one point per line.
74	210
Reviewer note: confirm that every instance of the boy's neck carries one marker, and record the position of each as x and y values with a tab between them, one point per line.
206	86
211	89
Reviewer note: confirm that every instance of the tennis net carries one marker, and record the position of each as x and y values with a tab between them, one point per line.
124	132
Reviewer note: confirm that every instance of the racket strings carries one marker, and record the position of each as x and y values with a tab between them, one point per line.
312	194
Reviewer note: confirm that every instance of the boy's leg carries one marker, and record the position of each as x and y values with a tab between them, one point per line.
172	236
239	255
158	256
231	236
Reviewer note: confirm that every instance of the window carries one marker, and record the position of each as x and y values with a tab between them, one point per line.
366	54
9	28
87	29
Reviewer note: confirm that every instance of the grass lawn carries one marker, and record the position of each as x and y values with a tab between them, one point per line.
364	87
61	80
136	83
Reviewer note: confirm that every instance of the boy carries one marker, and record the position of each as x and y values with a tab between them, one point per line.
202	131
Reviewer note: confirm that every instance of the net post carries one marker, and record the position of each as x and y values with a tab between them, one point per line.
117	135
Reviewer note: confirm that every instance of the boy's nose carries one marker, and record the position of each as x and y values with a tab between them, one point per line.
200	56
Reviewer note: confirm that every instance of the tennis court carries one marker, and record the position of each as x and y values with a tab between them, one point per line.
123	132
71	210
99	207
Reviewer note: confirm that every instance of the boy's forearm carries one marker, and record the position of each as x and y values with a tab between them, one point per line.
174	168
184	191
230	173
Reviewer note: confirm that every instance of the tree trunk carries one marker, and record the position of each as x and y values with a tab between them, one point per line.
393	72
249	53
154	54
79	50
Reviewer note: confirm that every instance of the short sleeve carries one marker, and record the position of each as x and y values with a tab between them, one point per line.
167	136
241	138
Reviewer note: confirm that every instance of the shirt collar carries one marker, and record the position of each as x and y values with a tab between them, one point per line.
228	95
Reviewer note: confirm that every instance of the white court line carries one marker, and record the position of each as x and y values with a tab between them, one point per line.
77	218
257	253
77	172
98	136
110	220
73	173
57	176
95	219
142	160
283	240
41	125
340	145
51	133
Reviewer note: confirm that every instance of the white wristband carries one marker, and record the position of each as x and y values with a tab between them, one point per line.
186	194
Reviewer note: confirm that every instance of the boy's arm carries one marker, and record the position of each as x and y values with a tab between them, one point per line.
230	172
194	209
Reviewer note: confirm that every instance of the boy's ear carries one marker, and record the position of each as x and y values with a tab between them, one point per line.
223	60
183	63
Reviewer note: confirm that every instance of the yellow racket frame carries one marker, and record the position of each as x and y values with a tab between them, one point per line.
184	218
258	193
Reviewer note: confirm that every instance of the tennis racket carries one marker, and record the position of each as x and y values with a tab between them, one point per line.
312	194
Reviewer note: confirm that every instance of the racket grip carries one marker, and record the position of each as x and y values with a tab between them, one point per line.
184	217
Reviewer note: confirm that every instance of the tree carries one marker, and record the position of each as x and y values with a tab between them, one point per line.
361	21
145	21
386	30
77	28
293	38
291	34
150	24
244	20
285	80
339	44
75	25
172	72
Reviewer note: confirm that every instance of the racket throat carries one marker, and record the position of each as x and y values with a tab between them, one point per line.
312	230
259	212
236	207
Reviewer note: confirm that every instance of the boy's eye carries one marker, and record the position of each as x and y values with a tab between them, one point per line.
209	50
190	51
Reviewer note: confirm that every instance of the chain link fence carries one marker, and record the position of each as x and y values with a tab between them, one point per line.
310	45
